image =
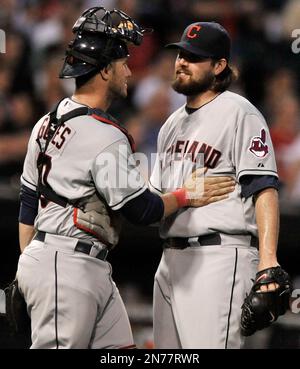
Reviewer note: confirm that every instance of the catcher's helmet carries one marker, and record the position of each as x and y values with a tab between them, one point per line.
101	37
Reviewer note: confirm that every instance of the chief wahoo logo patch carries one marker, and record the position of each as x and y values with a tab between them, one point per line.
258	145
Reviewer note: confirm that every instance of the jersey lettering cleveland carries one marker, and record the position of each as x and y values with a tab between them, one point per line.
84	156
232	138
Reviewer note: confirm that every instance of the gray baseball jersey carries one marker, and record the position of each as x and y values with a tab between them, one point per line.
71	297
235	141
199	290
86	156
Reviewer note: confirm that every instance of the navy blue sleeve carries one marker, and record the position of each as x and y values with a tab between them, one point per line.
29	203
252	185
145	209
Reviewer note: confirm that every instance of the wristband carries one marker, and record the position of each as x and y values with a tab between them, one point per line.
181	197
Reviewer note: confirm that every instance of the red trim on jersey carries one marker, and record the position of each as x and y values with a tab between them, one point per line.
86	229
126	133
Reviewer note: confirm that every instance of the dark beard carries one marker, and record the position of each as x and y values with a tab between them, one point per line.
194	87
116	93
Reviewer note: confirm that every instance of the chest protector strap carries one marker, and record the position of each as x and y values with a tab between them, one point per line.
44	189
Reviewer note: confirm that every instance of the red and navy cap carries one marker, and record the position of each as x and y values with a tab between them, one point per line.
205	39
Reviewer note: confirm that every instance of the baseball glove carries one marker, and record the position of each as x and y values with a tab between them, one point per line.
95	217
16	310
260	309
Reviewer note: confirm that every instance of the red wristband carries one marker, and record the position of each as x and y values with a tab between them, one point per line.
181	197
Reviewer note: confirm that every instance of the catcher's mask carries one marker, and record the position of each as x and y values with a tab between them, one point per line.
101	37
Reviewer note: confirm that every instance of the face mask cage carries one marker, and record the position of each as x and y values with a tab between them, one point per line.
113	23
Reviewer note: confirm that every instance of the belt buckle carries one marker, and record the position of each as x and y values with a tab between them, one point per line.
193	242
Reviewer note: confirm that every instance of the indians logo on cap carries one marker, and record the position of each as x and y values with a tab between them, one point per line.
258	145
193	31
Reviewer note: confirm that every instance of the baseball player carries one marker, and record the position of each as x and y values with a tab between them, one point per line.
211	253
78	177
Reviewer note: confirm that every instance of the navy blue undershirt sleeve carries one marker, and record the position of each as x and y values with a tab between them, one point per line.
252	184
145	209
29	203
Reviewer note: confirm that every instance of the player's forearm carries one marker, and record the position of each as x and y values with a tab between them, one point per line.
267	218
26	233
170	204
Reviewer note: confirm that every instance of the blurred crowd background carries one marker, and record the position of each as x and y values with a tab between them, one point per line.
264	49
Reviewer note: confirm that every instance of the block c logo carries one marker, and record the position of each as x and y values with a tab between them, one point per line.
296	43
2	41
193	31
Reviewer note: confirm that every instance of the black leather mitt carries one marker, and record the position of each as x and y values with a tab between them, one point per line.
16	310
260	309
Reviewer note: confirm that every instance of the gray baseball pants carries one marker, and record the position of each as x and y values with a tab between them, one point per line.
198	294
71	298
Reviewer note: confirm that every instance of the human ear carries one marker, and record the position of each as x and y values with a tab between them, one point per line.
105	72
220	65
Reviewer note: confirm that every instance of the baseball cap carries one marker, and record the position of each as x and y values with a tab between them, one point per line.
205	39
